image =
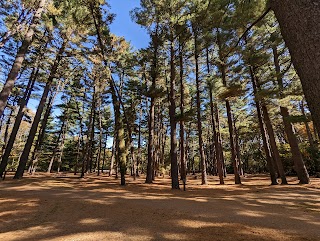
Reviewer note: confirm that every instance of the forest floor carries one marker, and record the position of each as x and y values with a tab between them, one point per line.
51	207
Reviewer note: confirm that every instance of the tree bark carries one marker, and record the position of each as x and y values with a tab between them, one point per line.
300	26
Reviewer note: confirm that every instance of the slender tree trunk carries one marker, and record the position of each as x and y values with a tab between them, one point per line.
150	142
91	140
238	152
18	120
273	144
6	133
100	136
296	154
139	159
154	74
219	138
222	68
199	122
173	122
104	154
309	133
217	143
44	122
36	121
9	84
288	127
122	154
113	154
182	128
263	131
78	155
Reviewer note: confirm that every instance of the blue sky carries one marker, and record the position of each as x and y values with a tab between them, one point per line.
124	26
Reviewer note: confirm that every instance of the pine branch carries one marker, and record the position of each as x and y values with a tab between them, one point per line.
248	29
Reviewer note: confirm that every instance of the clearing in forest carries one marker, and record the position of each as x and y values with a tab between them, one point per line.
98	208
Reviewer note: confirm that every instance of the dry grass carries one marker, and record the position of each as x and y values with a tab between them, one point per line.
97	208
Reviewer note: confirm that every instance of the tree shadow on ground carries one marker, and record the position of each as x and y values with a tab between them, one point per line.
97	208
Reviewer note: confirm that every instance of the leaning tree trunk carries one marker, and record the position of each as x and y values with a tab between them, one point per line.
26	151
296	154
288	127
300	26
310	138
9	84
18	120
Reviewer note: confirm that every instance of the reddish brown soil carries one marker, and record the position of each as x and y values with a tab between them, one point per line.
97	208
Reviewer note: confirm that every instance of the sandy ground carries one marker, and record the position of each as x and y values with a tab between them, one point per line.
97	208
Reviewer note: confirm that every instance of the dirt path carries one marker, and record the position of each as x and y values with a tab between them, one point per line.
52	208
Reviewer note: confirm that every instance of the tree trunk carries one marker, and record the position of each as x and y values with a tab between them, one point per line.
199	122
219	139
273	144
36	121
173	122
100	136
310	138
222	68
263	131
18	120
113	154
238	151
154	74
9	84
150	142
296	154
217	143
182	128
288	127
300	26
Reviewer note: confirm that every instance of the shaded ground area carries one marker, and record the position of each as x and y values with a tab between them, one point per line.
97	208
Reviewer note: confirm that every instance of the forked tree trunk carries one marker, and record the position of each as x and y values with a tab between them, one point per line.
9	84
